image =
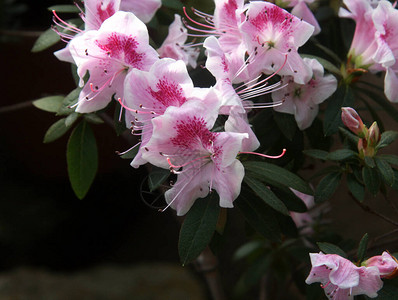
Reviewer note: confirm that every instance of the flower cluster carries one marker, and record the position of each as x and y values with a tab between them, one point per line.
374	45
246	44
342	280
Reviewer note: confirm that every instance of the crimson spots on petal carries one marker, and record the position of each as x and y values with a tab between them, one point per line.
122	47
279	18
230	9
168	93
192	132
105	12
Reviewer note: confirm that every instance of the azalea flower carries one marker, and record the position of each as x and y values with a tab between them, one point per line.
147	95
302	100
271	35
121	44
341	279
386	263
174	45
203	160
301	10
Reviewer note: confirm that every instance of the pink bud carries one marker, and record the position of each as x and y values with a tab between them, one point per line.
386	263
352	120
374	134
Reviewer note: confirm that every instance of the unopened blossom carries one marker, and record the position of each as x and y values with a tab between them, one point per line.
272	37
107	54
174	45
353	121
203	160
302	100
386	263
341	279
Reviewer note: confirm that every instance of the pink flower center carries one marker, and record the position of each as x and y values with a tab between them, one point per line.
104	14
168	94
123	47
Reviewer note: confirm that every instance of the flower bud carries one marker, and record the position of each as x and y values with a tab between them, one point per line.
386	263
374	135
353	121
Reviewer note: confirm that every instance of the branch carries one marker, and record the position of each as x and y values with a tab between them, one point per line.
15	107
371	211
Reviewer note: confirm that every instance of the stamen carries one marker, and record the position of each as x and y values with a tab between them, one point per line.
195	22
70	26
264	155
135	110
124	152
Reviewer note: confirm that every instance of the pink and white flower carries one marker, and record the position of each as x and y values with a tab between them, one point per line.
121	44
174	45
302	11
341	279
272	37
302	100
203	160
386	263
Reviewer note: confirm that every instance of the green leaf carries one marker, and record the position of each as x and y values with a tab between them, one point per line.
175	4
363	245
390	158
286	123
371	180
266	194
384	103
342	154
369	161
356	189
50	104
259	215
267	172
342	97
316	153
327	186
69	100
55	131
46	40
325	63
157	177
82	159
71	119
387	137
198	227
247	249
64	8
352	138
93	118
385	170
328	248
292	202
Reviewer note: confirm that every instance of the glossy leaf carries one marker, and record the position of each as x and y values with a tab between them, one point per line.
316	153
266	194
198	227
385	170
328	248
356	189
369	161
65	8
363	245
56	130
327	186
82	159
352	138
46	40
342	154
50	104
387	137
71	99
292	202
286	123
258	215
342	97
72	118
267	172
371	180
175	4
93	118
390	158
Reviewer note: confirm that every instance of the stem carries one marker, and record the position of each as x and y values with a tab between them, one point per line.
371	211
15	107
385	235
207	264
263	288
391	203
